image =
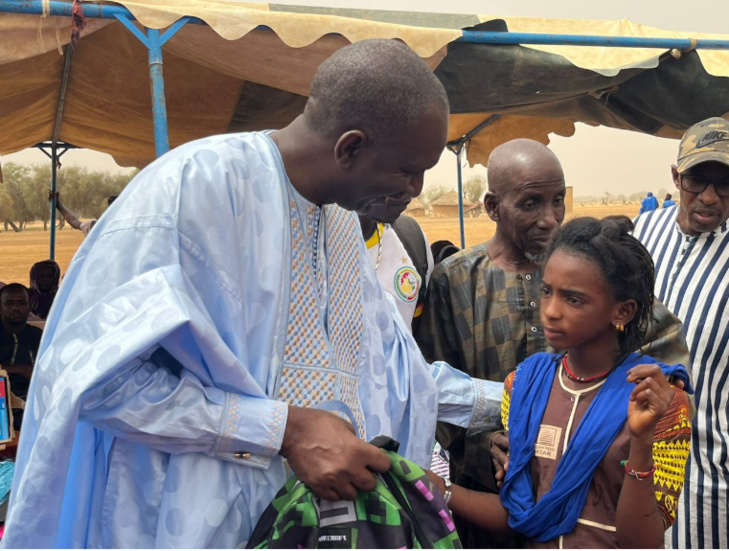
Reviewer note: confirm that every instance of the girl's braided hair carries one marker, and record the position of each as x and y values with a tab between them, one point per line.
625	263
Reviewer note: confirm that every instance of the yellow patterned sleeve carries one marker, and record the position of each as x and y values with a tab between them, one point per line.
506	400
671	446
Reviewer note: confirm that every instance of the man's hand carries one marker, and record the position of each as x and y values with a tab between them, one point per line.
500	455
54	195
326	455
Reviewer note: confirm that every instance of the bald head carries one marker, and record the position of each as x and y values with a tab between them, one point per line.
525	199
380	87
510	162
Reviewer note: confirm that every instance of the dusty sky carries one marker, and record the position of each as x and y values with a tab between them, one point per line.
595	160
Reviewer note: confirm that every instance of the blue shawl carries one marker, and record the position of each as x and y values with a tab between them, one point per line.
556	513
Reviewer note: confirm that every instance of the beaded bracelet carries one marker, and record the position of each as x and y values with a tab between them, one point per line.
640	475
447	495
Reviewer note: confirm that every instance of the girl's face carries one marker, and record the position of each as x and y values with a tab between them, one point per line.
577	306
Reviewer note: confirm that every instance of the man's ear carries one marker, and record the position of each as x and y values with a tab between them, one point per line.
348	148
675	175
491	202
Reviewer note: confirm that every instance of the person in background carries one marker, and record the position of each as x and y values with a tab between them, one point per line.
400	253
442	250
73	220
45	277
19	342
668	201
648	203
689	243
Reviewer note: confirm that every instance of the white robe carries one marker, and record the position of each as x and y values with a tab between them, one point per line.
186	320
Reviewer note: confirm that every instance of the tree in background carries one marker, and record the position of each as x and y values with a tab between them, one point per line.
35	194
17	179
83	192
474	189
7	205
432	194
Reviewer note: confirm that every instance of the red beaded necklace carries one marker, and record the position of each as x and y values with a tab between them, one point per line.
577	379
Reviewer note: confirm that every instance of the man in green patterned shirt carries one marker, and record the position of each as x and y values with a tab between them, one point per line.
482	309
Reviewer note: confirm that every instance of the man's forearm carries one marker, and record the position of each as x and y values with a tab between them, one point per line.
466	402
68	216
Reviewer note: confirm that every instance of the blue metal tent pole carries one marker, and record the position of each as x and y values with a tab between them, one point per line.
492	37
63	9
68	56
54	156
457	147
159	107
54	187
154	41
461	222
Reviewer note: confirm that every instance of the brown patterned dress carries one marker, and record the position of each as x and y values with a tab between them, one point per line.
596	525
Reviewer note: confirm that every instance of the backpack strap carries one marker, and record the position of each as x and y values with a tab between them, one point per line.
411	236
386	443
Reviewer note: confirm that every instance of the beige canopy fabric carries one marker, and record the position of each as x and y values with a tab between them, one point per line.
232	75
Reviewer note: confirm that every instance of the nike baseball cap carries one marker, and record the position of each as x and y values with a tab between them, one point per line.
705	141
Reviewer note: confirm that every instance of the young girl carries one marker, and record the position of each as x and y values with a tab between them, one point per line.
599	438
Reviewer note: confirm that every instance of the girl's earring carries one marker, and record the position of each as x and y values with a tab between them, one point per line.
619	327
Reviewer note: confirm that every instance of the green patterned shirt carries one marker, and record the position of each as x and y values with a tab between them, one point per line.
479	318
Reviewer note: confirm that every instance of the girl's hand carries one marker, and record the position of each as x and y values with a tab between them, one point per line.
500	455
436	480
650	399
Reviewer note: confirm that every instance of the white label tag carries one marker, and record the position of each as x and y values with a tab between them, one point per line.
548	442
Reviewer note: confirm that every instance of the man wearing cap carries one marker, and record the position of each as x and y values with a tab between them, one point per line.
689	243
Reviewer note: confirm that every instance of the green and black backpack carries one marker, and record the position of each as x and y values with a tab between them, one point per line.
405	510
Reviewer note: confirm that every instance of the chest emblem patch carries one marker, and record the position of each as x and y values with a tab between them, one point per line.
407	283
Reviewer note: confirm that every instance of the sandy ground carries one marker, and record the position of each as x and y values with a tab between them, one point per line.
18	251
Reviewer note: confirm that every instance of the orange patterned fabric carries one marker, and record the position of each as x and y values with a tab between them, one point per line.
671	446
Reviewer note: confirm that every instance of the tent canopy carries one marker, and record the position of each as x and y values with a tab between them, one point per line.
250	65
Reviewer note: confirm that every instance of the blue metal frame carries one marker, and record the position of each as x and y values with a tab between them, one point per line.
457	147
54	156
154	41
63	9
461	222
491	37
